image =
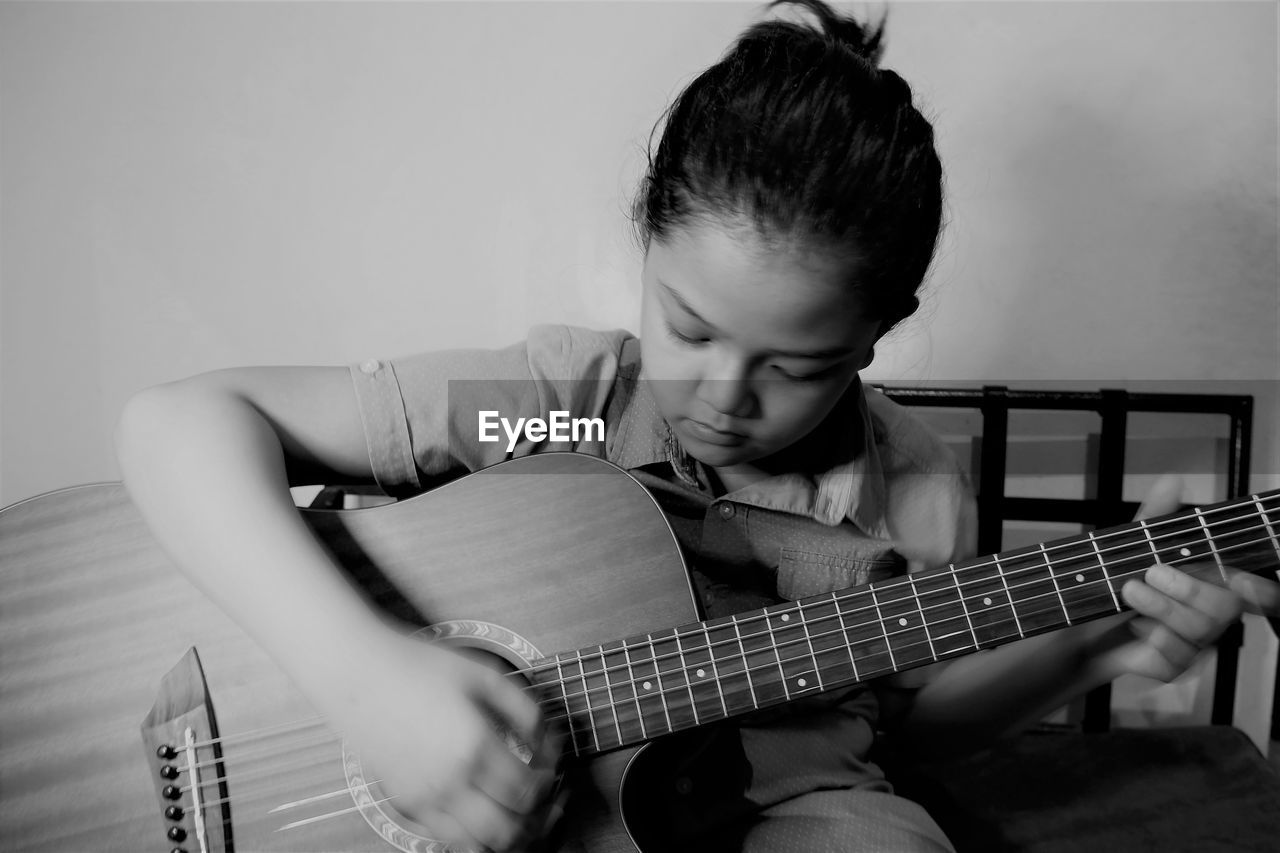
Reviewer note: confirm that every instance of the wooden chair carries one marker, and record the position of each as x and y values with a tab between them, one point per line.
1088	786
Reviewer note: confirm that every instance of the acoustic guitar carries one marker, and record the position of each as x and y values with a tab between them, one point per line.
559	567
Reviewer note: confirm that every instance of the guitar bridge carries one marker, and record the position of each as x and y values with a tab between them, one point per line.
184	753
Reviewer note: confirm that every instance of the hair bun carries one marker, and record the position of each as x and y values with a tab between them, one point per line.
866	42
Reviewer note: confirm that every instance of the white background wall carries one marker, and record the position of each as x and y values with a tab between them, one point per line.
186	186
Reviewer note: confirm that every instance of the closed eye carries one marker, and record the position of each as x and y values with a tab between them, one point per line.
683	338
806	377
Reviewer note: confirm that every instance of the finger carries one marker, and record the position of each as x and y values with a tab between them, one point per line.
515	708
1165	495
1189	624
1220	605
1260	595
1162	654
510	782
488	824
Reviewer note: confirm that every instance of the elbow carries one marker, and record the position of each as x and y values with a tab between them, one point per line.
147	417
163	423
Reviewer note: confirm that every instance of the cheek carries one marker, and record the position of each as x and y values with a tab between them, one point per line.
793	410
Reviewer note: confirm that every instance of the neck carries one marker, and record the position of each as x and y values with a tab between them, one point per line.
632	690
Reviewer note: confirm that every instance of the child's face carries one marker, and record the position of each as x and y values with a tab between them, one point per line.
749	349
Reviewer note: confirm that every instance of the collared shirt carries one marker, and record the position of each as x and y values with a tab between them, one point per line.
887	498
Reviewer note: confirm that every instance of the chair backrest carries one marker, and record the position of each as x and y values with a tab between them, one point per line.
1103	503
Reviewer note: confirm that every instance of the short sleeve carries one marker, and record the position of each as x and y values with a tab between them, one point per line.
422	414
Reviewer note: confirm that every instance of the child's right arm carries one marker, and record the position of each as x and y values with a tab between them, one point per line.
209	460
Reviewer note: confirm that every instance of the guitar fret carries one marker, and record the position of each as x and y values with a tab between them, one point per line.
763	662
942	611
773	638
866	634
909	637
746	666
951	571
1009	596
1266	522
844	632
987	602
570	717
1102	565
1034	593
673	680
613	700
606	732
703	688
923	621
883	629
688	684
652	692
635	694
1208	535
586	686
732	684
1155	552
715	672
1058	589
832	654
808	638
1080	577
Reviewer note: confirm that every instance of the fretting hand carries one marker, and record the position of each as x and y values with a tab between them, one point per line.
1177	614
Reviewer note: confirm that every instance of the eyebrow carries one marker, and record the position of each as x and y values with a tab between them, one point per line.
813	355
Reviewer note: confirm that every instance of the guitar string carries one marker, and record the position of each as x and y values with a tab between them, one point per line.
350	810
682	689
258	755
1033	564
1033	568
1087	558
248	735
311	820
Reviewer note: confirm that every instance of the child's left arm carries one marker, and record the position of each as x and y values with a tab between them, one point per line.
977	699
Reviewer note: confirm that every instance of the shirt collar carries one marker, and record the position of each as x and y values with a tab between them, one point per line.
847	483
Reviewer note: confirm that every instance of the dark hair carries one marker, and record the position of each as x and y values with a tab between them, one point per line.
797	132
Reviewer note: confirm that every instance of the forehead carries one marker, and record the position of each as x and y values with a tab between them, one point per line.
763	294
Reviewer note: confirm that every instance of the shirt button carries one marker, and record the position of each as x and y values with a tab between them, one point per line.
371	366
726	511
684	785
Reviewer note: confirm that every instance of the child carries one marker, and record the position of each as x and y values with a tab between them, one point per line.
789	213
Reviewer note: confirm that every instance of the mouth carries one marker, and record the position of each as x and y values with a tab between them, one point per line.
714	435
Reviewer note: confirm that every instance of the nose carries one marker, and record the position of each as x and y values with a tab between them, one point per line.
725	386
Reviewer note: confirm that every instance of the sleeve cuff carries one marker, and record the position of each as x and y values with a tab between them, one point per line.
386	427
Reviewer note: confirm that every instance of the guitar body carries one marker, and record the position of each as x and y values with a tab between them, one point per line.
522	560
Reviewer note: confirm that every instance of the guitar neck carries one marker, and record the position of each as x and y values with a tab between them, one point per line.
632	690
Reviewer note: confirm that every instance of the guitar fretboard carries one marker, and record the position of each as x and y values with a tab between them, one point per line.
628	691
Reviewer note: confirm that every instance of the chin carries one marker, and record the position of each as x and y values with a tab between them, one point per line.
718	456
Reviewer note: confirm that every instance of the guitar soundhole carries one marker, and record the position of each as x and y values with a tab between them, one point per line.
492	645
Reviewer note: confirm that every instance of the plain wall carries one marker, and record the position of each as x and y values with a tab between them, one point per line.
185	186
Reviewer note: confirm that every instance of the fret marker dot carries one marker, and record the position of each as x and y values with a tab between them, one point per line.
648	685
902	621
1186	552
701	673
986	601
802	682
1079	578
785	617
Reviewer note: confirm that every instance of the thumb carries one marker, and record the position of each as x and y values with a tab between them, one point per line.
1164	496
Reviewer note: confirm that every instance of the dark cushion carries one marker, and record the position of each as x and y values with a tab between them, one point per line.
1195	789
